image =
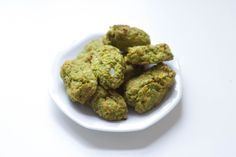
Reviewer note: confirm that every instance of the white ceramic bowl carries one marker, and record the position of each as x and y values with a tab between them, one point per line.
84	116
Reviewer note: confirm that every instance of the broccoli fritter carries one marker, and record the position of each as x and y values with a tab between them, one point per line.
149	54
148	90
93	45
109	105
124	36
90	48
108	66
79	80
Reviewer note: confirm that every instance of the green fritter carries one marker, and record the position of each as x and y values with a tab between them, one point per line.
124	36
149	89
91	47
109	105
108	66
79	80
149	54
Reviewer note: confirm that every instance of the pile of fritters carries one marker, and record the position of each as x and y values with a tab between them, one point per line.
111	73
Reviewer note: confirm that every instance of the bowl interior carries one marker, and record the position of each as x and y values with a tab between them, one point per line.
84	115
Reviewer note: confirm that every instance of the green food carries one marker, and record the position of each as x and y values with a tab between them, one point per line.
89	49
149	54
79	80
132	70
109	105
93	45
85	57
148	90
124	36
108	66
119	62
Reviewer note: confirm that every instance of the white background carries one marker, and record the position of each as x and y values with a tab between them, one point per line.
202	35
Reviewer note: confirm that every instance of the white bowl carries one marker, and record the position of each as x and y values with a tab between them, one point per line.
84	116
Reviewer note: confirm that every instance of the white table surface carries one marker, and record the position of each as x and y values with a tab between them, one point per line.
202	35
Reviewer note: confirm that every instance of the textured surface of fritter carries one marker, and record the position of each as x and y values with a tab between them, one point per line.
149	54
148	90
108	66
85	57
109	105
124	36
89	49
79	80
93	45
